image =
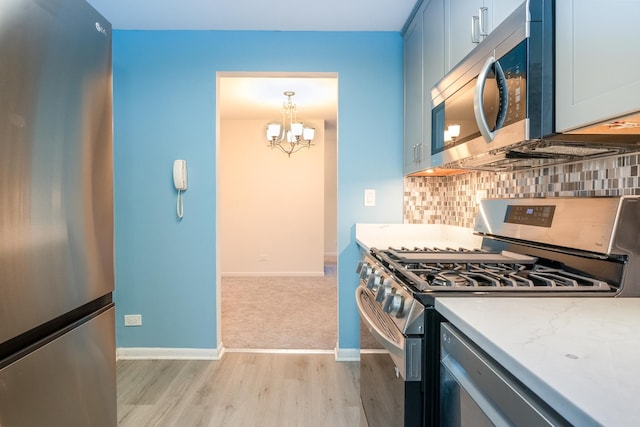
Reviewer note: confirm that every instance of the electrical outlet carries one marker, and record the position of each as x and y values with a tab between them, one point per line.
263	258
133	320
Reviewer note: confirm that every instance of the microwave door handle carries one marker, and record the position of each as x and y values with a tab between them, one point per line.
503	91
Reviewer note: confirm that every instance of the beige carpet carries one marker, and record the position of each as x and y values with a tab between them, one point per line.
292	313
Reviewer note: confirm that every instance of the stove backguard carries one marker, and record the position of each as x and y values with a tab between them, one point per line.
597	235
587	224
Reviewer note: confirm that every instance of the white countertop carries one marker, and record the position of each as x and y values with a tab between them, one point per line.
382	236
580	355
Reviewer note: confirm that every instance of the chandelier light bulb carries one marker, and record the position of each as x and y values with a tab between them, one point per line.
308	134
273	131
296	128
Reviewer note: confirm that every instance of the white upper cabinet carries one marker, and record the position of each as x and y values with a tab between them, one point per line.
470	21
597	62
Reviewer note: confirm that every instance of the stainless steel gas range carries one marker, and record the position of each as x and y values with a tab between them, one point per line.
540	247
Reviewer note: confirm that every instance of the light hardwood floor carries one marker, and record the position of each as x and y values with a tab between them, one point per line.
243	389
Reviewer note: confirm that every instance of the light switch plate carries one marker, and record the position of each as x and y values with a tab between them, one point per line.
369	197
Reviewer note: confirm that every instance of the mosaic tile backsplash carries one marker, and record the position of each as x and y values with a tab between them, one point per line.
452	200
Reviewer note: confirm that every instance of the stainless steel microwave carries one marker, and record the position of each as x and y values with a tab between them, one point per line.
495	109
501	93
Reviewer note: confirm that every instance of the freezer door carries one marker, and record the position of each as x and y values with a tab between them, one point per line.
56	208
70	381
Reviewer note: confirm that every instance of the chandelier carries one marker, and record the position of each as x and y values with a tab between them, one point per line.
290	135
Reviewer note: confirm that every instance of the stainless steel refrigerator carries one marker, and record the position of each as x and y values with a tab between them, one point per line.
57	341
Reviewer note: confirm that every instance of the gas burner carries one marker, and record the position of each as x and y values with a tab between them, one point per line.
479	270
447	278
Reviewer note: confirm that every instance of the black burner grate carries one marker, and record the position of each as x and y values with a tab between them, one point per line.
464	270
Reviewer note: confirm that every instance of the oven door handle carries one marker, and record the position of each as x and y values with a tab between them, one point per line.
379	334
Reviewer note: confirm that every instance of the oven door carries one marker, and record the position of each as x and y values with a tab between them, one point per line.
390	375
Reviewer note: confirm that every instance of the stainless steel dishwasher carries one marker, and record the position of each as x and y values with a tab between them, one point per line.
476	391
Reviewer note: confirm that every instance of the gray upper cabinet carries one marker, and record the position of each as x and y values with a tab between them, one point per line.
500	9
470	21
413	90
436	39
424	66
463	31
597	65
433	53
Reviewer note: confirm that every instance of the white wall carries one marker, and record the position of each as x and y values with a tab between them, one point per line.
272	206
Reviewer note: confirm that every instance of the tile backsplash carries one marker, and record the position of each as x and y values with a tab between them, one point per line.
452	200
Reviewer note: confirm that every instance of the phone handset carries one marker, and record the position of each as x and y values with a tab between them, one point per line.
180	182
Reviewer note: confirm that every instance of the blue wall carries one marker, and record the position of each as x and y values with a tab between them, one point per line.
164	109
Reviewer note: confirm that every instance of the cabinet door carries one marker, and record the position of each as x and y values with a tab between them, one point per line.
459	28
434	65
499	10
413	94
597	66
460	15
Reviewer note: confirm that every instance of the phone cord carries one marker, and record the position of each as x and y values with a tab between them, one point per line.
179	205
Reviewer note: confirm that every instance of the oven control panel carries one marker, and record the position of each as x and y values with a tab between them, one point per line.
540	216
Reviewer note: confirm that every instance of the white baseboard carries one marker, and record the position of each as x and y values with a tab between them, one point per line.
347	354
156	353
275	274
160	353
276	351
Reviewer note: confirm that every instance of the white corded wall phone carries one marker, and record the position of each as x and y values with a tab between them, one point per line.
180	182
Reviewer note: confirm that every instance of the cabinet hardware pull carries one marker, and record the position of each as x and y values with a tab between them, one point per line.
475	29
482	24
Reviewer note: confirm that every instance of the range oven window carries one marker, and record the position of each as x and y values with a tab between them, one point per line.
453	120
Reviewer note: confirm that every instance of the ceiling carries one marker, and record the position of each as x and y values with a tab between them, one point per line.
260	95
276	15
316	95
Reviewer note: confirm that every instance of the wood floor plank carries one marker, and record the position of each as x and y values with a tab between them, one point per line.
243	389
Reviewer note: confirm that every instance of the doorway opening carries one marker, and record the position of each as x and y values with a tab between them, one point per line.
276	215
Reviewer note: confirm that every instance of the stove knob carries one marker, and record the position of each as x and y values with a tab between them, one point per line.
361	264
365	271
383	292
374	280
394	305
